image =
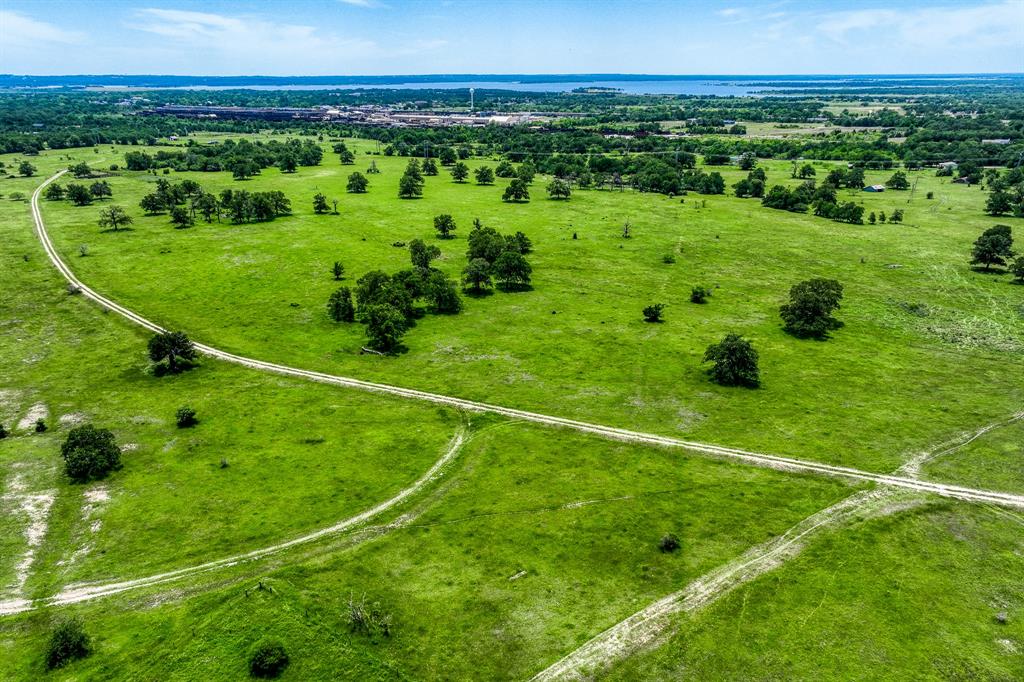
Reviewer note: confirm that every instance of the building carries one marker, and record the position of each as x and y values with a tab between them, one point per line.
874	188
998	140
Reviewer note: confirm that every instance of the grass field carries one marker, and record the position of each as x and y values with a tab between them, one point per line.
533	540
577	345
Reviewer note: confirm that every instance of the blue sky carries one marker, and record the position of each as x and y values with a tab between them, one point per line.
371	37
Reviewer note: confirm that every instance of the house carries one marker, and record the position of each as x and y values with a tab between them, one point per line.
998	140
947	165
874	188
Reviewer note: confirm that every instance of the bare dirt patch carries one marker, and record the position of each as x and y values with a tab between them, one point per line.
34	414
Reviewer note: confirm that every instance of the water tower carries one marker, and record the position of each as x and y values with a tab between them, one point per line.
471	91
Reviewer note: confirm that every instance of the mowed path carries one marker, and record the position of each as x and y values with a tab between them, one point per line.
614	433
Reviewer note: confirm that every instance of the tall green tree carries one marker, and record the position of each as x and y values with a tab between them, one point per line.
734	362
993	247
445	225
114	218
460	172
810	308
340	307
172	347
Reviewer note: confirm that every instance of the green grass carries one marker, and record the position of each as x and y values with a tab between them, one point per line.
300	456
890	383
995	460
446	577
914	596
930	350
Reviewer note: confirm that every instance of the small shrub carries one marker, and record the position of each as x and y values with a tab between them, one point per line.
268	660
83	250
652	313
41	425
699	295
930	195
185	417
668	259
3	431
370	620
224	463
669	543
68	643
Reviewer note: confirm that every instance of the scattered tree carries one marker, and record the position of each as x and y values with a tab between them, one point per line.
320	204
735	362
1018	269
516	191
652	313
338	270
114	218
429	167
181	218
90	453
442	293
79	194
559	189
152	204
445	225
26	169
460	172
898	181
484	175
173	347
357	183
993	247
699	294
421	255
810	308
54	192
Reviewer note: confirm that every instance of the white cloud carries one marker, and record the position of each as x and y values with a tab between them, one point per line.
254	44
19	30
728	12
990	24
359	3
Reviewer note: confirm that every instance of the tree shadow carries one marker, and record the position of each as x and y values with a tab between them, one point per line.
988	271
482	293
515	288
162	369
120	229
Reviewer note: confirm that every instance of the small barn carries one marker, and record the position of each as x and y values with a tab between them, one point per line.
875	188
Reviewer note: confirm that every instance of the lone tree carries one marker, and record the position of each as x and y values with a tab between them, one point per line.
516	191
357	183
652	313
26	169
735	362
90	453
484	175
559	189
477	274
68	642
338	270
320	204
460	172
429	167
512	270
340	307
173	347
114	218
993	247
445	225
898	181
810	308
385	326
100	190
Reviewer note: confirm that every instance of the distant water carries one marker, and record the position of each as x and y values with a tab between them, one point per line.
659	87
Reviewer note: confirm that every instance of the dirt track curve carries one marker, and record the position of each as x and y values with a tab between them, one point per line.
754	458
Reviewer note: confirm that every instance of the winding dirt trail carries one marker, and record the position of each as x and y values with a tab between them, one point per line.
77	593
746	457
